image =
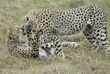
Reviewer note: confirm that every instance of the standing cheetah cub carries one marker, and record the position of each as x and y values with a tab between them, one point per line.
89	19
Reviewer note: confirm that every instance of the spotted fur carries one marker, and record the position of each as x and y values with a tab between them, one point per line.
89	19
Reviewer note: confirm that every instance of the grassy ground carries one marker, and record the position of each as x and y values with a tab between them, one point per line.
78	61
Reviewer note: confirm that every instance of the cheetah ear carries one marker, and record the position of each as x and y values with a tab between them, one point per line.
22	26
26	19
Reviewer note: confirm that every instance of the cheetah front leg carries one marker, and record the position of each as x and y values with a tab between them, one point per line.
35	41
58	47
29	33
73	45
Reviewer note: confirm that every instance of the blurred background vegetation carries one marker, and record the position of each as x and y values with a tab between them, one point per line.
78	61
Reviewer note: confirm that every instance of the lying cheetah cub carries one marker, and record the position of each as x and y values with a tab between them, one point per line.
19	47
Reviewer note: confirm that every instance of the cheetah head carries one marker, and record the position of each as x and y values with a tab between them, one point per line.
32	25
16	33
31	19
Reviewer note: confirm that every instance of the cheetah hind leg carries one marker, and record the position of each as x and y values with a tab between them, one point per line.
102	39
96	37
56	42
101	34
58	47
41	52
50	49
95	45
91	38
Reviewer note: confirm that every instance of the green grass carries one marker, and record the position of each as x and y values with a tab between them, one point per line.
78	61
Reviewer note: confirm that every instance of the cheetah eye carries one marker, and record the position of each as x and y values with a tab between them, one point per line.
23	26
9	37
23	29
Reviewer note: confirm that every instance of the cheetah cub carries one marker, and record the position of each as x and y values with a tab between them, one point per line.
89	19
19	47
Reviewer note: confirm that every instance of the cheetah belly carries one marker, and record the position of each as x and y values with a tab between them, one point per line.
63	36
70	32
73	29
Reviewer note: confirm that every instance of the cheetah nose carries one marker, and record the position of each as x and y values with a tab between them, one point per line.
24	33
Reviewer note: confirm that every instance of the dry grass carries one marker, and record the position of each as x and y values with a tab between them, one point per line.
78	61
